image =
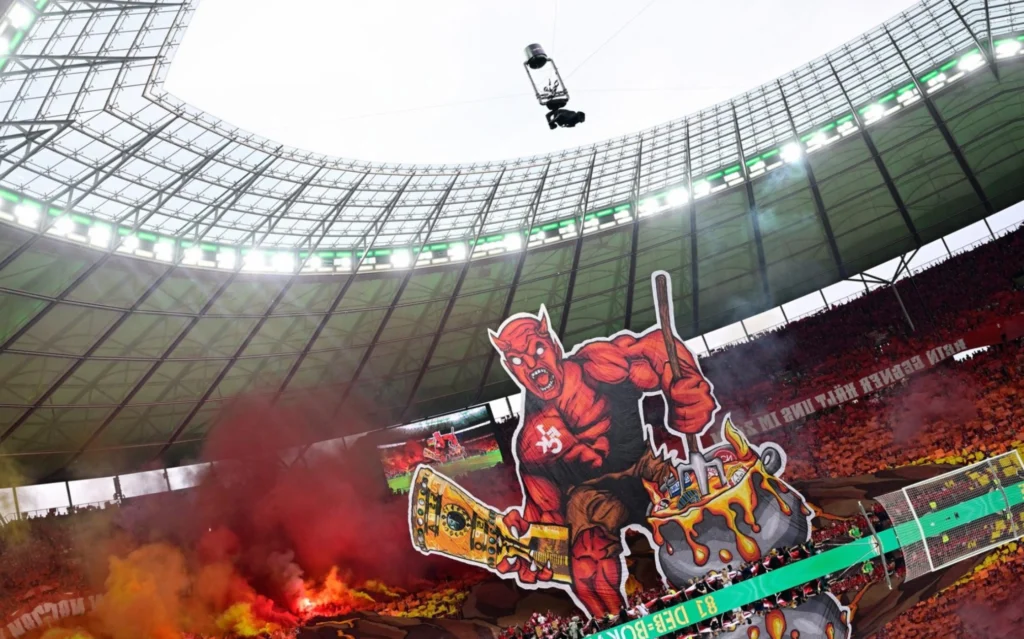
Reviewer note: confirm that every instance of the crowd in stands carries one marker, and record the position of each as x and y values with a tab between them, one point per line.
944	302
551	626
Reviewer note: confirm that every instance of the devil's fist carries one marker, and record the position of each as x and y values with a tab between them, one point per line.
515	523
690	404
524	568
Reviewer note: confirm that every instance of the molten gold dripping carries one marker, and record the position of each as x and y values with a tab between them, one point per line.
775	622
795	634
736	438
753	632
721	503
725	555
766	484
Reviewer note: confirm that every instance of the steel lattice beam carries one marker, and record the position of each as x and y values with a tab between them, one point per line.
940	124
510	298
634	239
879	164
479	223
581	212
755	222
819	203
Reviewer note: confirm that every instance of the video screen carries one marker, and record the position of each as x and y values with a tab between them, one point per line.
454	444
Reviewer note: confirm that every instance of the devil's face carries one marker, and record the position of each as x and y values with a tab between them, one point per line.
532	356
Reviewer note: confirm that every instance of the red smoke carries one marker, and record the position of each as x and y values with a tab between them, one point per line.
258	545
985	621
941	399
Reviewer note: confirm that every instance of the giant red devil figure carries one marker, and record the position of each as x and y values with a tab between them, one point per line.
581	448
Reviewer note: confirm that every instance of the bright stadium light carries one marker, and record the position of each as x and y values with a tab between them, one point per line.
457	252
677	197
27	215
1007	48
345	263
971	61
20	16
130	243
99	235
791	152
5	44
254	261
874	112
164	251
283	262
819	139
513	242
193	255
401	258
226	258
702	188
64	225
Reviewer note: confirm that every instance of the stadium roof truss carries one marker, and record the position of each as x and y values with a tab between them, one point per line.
156	261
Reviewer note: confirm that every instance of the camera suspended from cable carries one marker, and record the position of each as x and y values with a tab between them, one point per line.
549	88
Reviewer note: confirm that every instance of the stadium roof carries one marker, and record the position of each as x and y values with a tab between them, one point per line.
157	261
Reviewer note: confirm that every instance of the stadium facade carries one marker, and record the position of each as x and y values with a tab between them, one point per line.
156	261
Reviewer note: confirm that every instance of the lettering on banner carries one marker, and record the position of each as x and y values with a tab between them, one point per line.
945	351
45	614
842	393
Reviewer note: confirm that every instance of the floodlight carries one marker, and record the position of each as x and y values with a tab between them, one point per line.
648	206
819	139
677	197
254	261
283	262
569	229
193	254
99	235
875	112
164	251
401	258
64	225
971	61
226	258
27	215
345	263
457	251
513	242
791	152
130	243
702	188
19	15
5	44
1006	48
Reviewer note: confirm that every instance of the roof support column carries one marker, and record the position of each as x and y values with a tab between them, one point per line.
534	207
819	204
581	214
480	222
694	262
954	148
889	184
755	223
634	242
429	224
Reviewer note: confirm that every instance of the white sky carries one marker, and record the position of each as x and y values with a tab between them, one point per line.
432	82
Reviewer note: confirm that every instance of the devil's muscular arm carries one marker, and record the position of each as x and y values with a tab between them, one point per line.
543	504
644	364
